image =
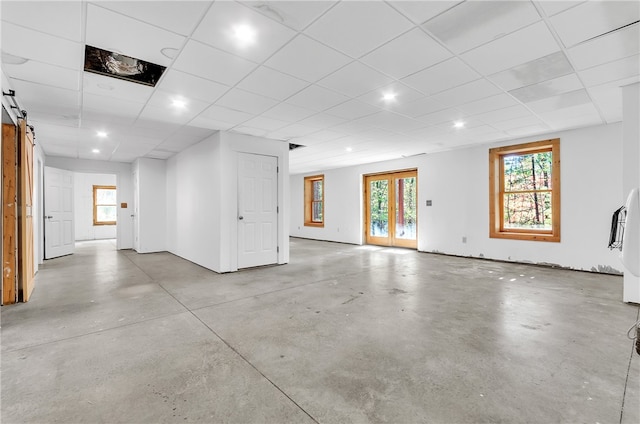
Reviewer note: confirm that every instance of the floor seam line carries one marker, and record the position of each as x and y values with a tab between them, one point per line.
254	367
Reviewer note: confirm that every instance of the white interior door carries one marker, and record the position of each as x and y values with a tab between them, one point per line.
257	210
59	238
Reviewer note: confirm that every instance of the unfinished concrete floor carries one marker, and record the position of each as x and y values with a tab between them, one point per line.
341	334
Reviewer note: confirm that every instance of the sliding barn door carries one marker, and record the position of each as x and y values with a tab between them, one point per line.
25	223
9	215
59	238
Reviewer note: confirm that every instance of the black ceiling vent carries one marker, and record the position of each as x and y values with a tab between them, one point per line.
116	65
293	146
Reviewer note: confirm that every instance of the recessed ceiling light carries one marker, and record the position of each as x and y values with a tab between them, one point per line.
387	97
178	103
101	134
96	151
458	124
244	35
169	52
349	149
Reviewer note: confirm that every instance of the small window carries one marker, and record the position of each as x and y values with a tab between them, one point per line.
104	205
524	192
314	201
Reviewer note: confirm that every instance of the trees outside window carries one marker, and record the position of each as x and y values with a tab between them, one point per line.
104	205
314	201
525	191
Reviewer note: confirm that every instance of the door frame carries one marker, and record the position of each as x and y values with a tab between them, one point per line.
391	176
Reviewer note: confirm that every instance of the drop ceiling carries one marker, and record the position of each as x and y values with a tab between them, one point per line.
317	72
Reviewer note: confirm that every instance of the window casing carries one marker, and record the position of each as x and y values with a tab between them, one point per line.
104	205
524	191
314	201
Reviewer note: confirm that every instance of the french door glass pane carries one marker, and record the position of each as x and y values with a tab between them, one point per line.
379	208
406	208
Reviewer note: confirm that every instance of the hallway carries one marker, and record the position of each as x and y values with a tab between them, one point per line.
343	333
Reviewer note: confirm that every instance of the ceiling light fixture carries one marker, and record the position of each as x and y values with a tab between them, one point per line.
96	151
180	104
388	97
349	149
101	134
458	124
244	35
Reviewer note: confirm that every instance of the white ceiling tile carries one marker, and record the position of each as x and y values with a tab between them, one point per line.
509	51
403	95
60	18
224	114
608	48
213	64
394	58
355	79
271	83
487	104
295	14
474	23
39	96
573	116
178	16
623	68
448	74
287	112
42	73
448	116
352	109
132	37
593	18
245	101
392	122
317	98
538	70
503	114
421	11
512	124
101	85
419	107
189	108
218	30
551	8
266	124
609	101
153	128
322	120
356	28
202	122
550	88
190	86
307	59
159	154
562	101
466	93
294	130
111	106
33	45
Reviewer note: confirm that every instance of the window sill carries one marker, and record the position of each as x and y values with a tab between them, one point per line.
314	224
526	236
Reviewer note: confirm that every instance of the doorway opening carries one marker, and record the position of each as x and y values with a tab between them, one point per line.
391	205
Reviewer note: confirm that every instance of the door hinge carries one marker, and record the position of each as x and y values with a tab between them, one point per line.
277	169
278	249
277	209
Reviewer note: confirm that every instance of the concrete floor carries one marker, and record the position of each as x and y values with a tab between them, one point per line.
341	334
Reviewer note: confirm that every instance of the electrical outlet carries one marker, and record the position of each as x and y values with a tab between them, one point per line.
464	239
429	203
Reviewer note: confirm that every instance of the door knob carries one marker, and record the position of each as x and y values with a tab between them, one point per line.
241	218
48	217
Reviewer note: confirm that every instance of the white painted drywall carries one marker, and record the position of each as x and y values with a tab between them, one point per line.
123	183
151	207
457	182
202	199
83	206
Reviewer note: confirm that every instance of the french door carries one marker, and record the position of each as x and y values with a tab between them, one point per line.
391	202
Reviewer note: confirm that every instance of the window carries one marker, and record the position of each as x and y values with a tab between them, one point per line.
104	205
524	183
314	201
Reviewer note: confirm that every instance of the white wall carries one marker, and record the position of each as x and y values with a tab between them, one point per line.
151	205
457	182
83	206
123	183
202	199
